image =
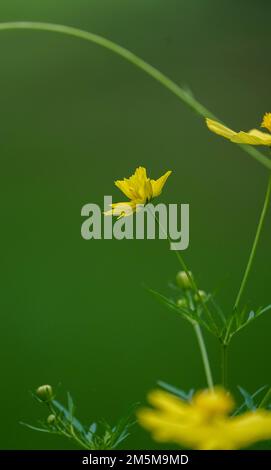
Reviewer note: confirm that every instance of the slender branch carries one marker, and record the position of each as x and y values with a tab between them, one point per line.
79	441
62	428
191	278
182	94
204	356
196	289
255	244
196	326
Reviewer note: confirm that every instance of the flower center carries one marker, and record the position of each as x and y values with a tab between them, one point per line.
213	404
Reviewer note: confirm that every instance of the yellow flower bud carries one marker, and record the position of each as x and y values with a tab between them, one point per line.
45	393
183	280
51	419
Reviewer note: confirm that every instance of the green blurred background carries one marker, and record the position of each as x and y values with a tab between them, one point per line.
74	118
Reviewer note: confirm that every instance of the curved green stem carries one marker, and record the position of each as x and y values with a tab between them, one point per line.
182	94
204	356
255	244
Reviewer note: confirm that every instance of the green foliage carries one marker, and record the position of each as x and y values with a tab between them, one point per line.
250	402
239	320
186	303
189	308
96	436
187	396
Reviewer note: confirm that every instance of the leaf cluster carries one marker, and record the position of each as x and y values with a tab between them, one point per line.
186	304
96	436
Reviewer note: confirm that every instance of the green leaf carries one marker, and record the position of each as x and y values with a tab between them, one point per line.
218	310
240	319
92	428
176	391
35	428
66	413
70	406
121	430
186	314
248	398
91	432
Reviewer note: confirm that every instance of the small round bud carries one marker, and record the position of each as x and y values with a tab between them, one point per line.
51	419
183	280
45	392
182	303
200	296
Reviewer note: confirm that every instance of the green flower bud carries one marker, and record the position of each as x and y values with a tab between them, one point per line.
182	303
45	393
183	280
200	296
51	419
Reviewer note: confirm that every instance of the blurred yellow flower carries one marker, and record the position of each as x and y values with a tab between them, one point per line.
252	137
139	189
266	122
205	422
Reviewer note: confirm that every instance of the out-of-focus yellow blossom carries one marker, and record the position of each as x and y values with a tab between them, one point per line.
266	122
205	422
252	137
139	189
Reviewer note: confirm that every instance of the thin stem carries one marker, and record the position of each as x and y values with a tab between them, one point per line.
196	289
62	428
191	278
77	439
196	326
255	244
224	365
182	94
266	399
204	356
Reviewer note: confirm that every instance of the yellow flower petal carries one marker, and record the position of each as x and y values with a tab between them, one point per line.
204	422
144	191
125	188
167	402
141	173
251	427
252	137
266	122
122	209
219	129
165	428
139	189
157	185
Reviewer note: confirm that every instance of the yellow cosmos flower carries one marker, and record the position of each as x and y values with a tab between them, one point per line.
204	423
139	189
266	122
252	137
